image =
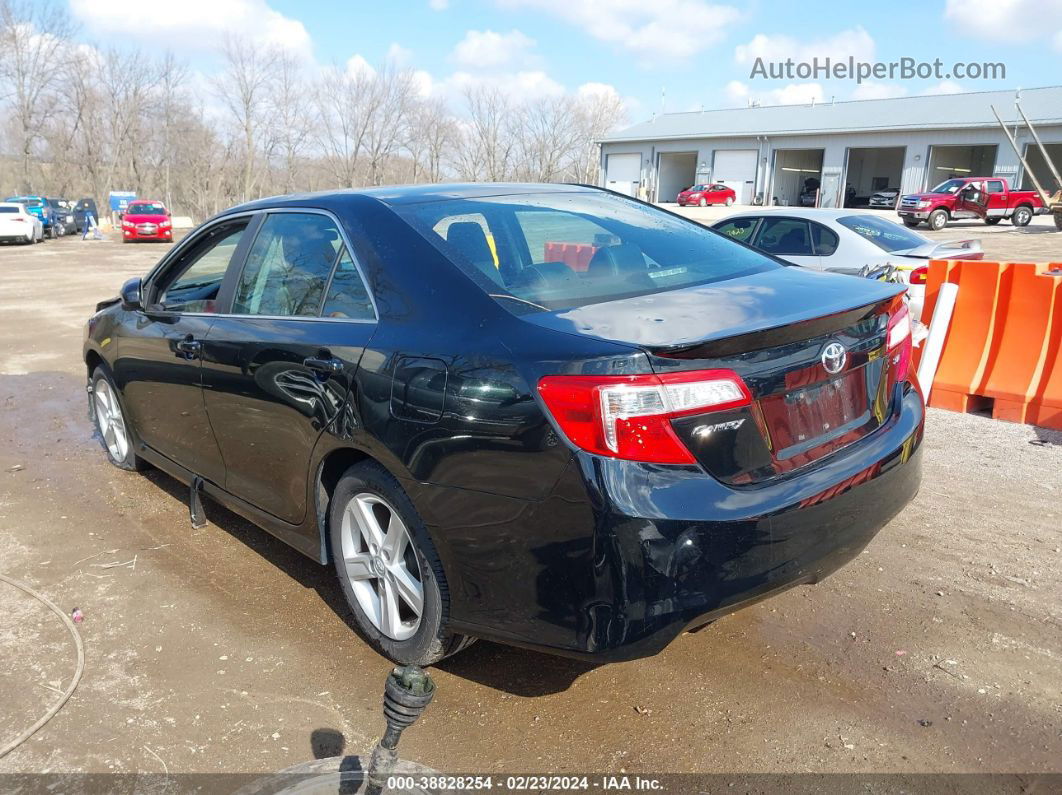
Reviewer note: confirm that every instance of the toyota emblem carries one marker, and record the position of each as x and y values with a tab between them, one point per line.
834	357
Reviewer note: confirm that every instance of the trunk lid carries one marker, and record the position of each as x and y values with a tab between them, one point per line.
810	346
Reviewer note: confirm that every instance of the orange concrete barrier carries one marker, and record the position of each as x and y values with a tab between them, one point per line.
1003	350
972	339
576	256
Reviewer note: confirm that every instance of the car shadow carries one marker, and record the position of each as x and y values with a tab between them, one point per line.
519	672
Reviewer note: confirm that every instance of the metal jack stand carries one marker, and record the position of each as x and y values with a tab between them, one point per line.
195	503
407	693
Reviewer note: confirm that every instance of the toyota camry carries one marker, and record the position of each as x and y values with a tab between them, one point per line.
551	416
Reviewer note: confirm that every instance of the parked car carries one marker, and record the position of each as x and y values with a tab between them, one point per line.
884	199
84	208
63	216
846	241
486	443
703	195
19	225
146	220
37	206
988	198
809	195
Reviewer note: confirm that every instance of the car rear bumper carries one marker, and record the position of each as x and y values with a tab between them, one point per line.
669	548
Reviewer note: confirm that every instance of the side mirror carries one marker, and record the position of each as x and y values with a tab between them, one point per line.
131	295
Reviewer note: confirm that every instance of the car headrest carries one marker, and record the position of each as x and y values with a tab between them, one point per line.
625	258
468	238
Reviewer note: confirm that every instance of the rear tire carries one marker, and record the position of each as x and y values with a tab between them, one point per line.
114	430
993	221
1022	216
729	201
937	220
1058	221
375	580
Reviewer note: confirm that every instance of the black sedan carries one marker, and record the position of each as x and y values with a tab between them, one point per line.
547	415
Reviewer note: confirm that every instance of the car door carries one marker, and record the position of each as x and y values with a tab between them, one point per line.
789	238
973	200
158	361
825	242
279	361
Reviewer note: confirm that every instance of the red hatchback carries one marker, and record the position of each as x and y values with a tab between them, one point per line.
703	195
146	220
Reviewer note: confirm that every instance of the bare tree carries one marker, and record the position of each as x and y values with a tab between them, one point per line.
345	102
432	137
33	42
548	136
290	116
243	88
595	115
488	145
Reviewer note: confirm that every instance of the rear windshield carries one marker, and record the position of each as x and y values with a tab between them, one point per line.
146	209
28	202
883	233
542	252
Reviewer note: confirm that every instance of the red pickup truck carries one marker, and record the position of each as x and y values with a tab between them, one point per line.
988	198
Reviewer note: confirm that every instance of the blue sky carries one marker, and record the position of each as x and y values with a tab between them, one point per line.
697	52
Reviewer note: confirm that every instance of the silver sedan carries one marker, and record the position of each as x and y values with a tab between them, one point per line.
846	241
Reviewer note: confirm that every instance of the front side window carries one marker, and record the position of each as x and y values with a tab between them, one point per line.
781	236
556	250
193	283
288	266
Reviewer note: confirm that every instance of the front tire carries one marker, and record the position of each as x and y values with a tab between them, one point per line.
113	429
937	220
389	570
729	201
1022	216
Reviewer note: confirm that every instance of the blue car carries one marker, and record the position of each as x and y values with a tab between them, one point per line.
38	206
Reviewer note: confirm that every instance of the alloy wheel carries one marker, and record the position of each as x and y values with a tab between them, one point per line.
381	565
110	420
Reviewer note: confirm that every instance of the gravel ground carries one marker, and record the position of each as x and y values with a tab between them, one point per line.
220	649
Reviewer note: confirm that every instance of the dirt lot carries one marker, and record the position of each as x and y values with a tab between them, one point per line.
221	649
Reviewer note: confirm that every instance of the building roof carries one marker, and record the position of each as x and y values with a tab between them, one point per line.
938	112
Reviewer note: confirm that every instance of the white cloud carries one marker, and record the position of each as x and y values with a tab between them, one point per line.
855	42
597	90
397	55
438	5
525	86
1010	21
653	30
194	23
424	83
485	49
740	93
871	90
357	65
944	87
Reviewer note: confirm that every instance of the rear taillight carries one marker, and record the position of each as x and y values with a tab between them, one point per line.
20	220
899	340
919	275
629	417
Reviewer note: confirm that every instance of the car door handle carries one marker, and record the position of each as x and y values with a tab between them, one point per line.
190	347
329	366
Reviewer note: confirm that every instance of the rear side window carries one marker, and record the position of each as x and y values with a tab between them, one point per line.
288	266
825	240
347	295
995	186
785	236
548	251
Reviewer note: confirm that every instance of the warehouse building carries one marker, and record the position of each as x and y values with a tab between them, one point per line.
846	149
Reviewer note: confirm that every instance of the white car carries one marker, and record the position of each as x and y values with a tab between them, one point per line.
846	241
19	225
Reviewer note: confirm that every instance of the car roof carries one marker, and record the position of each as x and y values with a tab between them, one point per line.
813	213
395	195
